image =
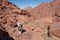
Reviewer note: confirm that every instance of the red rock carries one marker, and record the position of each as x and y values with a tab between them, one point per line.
54	29
45	9
34	20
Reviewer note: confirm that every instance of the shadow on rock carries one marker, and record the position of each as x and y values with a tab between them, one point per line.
4	35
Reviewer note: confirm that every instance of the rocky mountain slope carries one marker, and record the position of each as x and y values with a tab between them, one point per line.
39	23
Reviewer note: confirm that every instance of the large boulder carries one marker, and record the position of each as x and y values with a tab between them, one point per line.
54	30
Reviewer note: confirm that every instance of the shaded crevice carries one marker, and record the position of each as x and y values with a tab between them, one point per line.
5	36
23	31
24	12
32	29
48	31
57	15
0	4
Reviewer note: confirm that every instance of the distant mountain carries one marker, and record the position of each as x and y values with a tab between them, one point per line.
28	8
45	9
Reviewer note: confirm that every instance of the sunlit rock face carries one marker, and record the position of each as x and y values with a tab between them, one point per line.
54	31
10	15
39	23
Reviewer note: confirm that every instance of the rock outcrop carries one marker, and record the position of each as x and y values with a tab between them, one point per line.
10	15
